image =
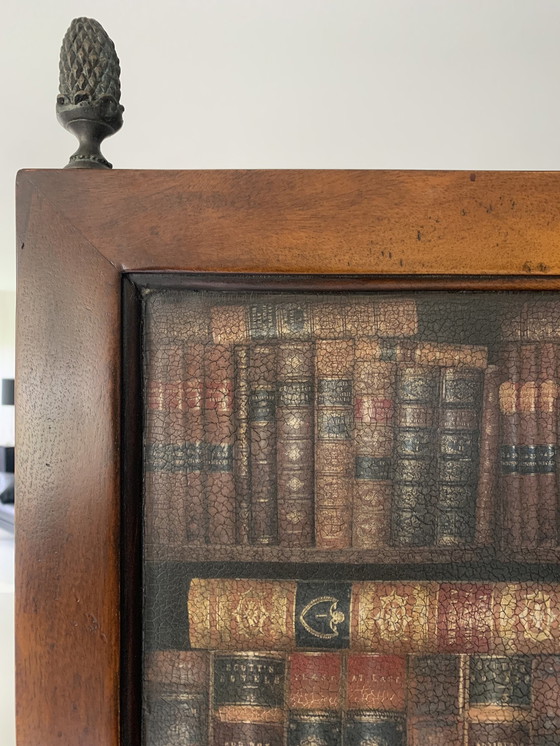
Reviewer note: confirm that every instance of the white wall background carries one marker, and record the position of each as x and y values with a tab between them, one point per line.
289	84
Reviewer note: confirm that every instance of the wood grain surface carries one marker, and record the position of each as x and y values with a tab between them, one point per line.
326	222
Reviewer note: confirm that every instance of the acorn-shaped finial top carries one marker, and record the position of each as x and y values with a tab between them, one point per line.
88	103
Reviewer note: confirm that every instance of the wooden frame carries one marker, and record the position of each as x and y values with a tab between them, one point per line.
80	233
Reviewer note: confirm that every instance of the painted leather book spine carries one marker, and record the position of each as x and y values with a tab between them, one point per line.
440	354
489	459
546	699
501	734
316	319
242	445
415	482
315	698
546	456
393	618
248	698
457	455
295	444
334	363
195	496
376	683
374	392
262	436
510	486
499	698
165	455
528	441
219	429
175	707
436	691
375	726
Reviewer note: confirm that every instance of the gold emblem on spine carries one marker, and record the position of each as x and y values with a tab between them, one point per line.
334	616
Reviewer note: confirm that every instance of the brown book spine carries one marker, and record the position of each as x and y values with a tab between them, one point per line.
546	699
547	428
262	436
219	430
334	364
374	392
175	707
195	495
248	698
242	445
489	459
413	519
393	618
501	734
528	440
295	444
457	455
165	454
510	486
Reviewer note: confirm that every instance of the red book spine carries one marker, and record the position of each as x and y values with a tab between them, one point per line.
376	682
315	681
510	487
219	430
195	497
295	446
547	429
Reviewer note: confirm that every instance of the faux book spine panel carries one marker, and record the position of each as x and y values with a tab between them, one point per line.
334	456
384	617
292	699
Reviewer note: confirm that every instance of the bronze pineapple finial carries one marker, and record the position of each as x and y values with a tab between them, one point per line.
88	103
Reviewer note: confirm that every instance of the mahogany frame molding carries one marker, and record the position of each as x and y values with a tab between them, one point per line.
79	235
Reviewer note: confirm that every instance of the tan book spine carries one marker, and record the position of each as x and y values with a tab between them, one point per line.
334	364
489	459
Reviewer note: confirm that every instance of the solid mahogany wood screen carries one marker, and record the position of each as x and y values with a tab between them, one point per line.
93	246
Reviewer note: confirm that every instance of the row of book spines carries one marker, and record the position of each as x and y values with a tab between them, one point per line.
528	397
374	616
238	324
328	693
261	400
